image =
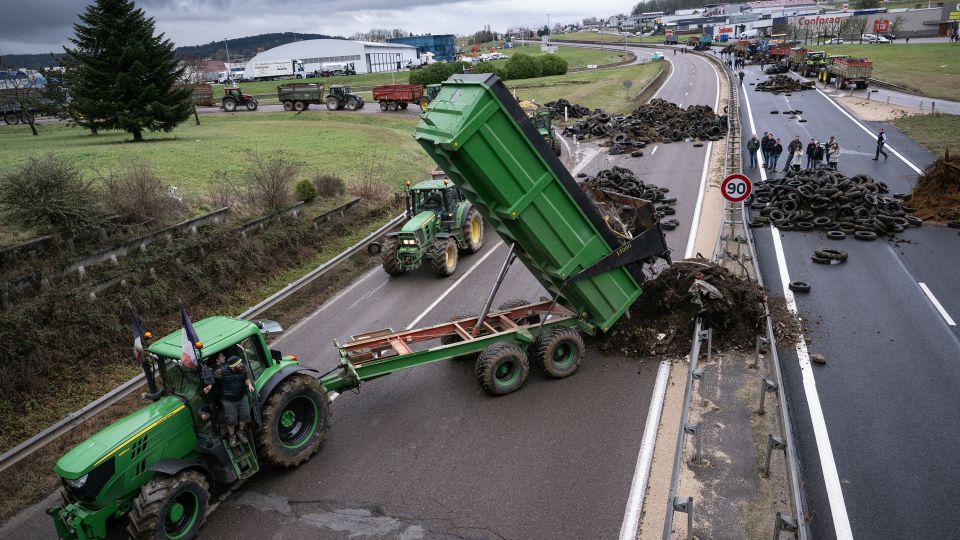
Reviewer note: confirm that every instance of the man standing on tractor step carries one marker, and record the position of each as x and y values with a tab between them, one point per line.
233	386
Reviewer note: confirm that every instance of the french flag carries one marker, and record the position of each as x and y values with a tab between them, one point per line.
188	347
137	336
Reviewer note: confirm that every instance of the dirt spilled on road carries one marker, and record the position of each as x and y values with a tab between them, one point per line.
660	321
937	193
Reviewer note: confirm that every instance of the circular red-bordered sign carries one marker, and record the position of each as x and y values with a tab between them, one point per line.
736	187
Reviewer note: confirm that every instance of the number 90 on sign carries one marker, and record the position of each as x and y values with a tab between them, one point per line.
736	187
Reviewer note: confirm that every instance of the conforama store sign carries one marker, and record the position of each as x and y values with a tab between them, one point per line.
822	19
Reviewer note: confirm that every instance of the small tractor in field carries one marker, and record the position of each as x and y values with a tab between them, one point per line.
542	119
234	98
441	223
340	97
160	465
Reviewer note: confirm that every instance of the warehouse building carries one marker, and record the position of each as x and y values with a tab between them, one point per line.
367	57
443	47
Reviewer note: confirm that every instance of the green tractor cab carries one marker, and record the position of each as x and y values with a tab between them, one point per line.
429	93
441	223
812	63
340	97
542	119
160	465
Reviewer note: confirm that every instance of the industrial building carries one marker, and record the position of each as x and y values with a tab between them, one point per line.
367	57
443	47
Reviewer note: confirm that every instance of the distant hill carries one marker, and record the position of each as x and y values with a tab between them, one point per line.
245	47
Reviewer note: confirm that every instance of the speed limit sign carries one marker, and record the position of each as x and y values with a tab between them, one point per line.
736	187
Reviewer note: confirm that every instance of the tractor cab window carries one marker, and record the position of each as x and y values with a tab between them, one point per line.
431	200
235	92
250	351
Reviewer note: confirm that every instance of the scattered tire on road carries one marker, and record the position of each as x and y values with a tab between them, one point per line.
799	286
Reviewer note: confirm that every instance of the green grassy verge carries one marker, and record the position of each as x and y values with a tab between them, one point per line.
601	89
576	57
926	68
193	157
935	132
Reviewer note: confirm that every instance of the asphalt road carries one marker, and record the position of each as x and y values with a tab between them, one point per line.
888	390
425	452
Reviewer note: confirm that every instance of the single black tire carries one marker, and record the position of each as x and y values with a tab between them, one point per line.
169	507
252	105
472	231
865	235
560	351
953	224
444	256
834	254
388	257
384	106
229	105
296	420
821	260
353	104
799	286
502	368
288	106
836	235
332	103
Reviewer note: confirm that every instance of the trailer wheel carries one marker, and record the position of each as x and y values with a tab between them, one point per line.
296	419
472	231
332	103
11	119
559	352
383	105
298	106
388	257
229	105
170	507
444	255
352	104
393	106
288	105
502	368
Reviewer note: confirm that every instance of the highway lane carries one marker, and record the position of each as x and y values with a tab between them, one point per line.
886	391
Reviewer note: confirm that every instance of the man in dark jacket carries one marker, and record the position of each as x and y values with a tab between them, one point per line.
765	148
775	152
234	383
795	144
811	148
881	142
752	146
817	154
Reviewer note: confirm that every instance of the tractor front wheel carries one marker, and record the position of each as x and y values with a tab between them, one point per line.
296	419
170	507
333	103
388	257
251	105
472	231
502	368
352	104
559	352
444	255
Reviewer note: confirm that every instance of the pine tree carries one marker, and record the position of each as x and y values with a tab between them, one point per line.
125	75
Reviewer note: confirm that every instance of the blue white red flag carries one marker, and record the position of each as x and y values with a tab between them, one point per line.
188	347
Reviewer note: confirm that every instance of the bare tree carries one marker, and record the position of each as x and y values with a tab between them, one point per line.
857	26
21	99
897	25
194	75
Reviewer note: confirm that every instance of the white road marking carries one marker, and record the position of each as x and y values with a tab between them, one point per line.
454	286
680	105
564	141
588	156
654	151
872	134
368	294
638	488
831	479
692	237
686	93
936	303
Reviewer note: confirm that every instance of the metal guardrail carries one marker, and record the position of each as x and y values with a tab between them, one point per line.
31	445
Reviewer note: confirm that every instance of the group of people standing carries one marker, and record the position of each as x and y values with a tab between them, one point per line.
771	149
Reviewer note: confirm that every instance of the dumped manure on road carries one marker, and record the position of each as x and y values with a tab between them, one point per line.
783	83
661	321
937	193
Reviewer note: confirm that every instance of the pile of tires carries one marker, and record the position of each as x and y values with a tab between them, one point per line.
828	201
573	110
623	181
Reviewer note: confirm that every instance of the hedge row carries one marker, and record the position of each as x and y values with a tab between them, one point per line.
519	66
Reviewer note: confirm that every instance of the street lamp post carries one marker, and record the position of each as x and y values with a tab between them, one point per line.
229	69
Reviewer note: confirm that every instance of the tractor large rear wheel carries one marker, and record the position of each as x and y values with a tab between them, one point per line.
424	103
296	419
388	257
444	255
229	105
333	103
472	231
170	507
502	368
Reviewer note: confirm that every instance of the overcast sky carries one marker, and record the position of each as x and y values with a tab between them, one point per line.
37	26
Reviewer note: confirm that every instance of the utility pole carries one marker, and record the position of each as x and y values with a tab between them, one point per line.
229	68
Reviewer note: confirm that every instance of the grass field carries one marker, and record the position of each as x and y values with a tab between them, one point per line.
602	89
194	157
930	69
576	57
935	132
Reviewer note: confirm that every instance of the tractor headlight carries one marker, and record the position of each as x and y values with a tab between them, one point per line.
409	242
76	484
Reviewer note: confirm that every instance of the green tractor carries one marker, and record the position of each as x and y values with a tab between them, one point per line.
813	62
542	119
160	465
340	97
440	224
429	93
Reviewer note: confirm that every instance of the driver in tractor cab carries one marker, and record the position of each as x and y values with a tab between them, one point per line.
234	383
432	202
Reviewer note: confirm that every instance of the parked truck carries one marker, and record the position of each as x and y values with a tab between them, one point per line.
158	466
269	70
396	97
844	70
334	69
669	38
299	96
